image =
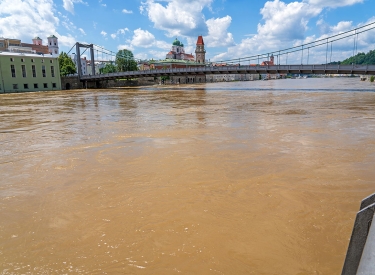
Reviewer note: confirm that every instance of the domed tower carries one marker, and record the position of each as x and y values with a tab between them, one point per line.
200	52
37	41
53	45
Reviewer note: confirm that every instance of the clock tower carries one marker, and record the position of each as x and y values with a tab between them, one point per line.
200	52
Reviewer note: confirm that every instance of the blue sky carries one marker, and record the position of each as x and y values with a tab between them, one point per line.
231	28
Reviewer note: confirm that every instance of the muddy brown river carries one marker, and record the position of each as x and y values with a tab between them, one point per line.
260	177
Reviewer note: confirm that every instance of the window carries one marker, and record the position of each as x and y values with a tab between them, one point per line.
32	60
34	71
45	85
35	85
42	60
13	70
22	60
1	44
44	71
11	59
0	86
55	43
55	51
23	71
25	86
52	71
51	61
15	86
53	85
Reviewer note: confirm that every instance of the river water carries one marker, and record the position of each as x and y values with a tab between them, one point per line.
260	177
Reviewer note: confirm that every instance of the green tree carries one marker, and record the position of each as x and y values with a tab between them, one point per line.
125	61
361	59
66	64
108	68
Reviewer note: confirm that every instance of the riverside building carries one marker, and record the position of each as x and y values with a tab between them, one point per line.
28	72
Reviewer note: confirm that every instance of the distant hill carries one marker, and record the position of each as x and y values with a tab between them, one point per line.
360	58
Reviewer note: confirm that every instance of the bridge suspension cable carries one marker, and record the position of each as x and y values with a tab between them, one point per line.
317	43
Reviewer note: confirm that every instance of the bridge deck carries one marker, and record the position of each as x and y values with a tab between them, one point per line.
275	69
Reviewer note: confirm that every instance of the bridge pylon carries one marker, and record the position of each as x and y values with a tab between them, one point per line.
78	51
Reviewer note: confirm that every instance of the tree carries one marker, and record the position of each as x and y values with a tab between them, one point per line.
108	68
125	61
66	64
360	59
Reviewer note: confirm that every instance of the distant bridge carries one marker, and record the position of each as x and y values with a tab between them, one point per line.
207	70
281	65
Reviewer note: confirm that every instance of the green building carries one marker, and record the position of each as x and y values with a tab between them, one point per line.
27	72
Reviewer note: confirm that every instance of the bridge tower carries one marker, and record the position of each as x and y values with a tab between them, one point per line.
78	53
200	52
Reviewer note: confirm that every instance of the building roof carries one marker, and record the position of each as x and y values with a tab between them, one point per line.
176	42
37	38
52	36
200	40
28	54
37	48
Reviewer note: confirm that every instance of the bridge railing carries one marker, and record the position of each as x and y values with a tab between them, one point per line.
257	69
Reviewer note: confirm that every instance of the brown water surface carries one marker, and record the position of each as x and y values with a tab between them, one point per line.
257	177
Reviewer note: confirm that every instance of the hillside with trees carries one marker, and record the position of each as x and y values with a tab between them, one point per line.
360	59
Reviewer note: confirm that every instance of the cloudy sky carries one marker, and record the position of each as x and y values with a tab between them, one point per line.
231	28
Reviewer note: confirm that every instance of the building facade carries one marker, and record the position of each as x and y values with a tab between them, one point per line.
21	72
83	63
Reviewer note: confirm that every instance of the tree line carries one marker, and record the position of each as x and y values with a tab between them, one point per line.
359	59
124	62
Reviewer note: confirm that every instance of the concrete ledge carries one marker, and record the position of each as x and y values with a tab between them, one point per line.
359	236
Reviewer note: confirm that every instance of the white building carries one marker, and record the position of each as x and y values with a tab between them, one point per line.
83	63
231	77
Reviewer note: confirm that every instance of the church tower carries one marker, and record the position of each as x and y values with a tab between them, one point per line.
37	41
53	45
200	53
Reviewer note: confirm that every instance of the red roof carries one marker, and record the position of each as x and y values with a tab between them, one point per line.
37	48
200	40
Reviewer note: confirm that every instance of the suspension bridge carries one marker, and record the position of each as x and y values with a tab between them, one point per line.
295	60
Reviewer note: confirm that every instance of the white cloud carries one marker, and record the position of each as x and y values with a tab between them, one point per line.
69	4
333	3
103	33
178	17
82	31
286	21
125	46
25	19
184	18
217	32
127	11
142	38
119	31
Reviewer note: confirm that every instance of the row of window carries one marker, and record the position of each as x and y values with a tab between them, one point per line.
32	60
33	68
36	86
